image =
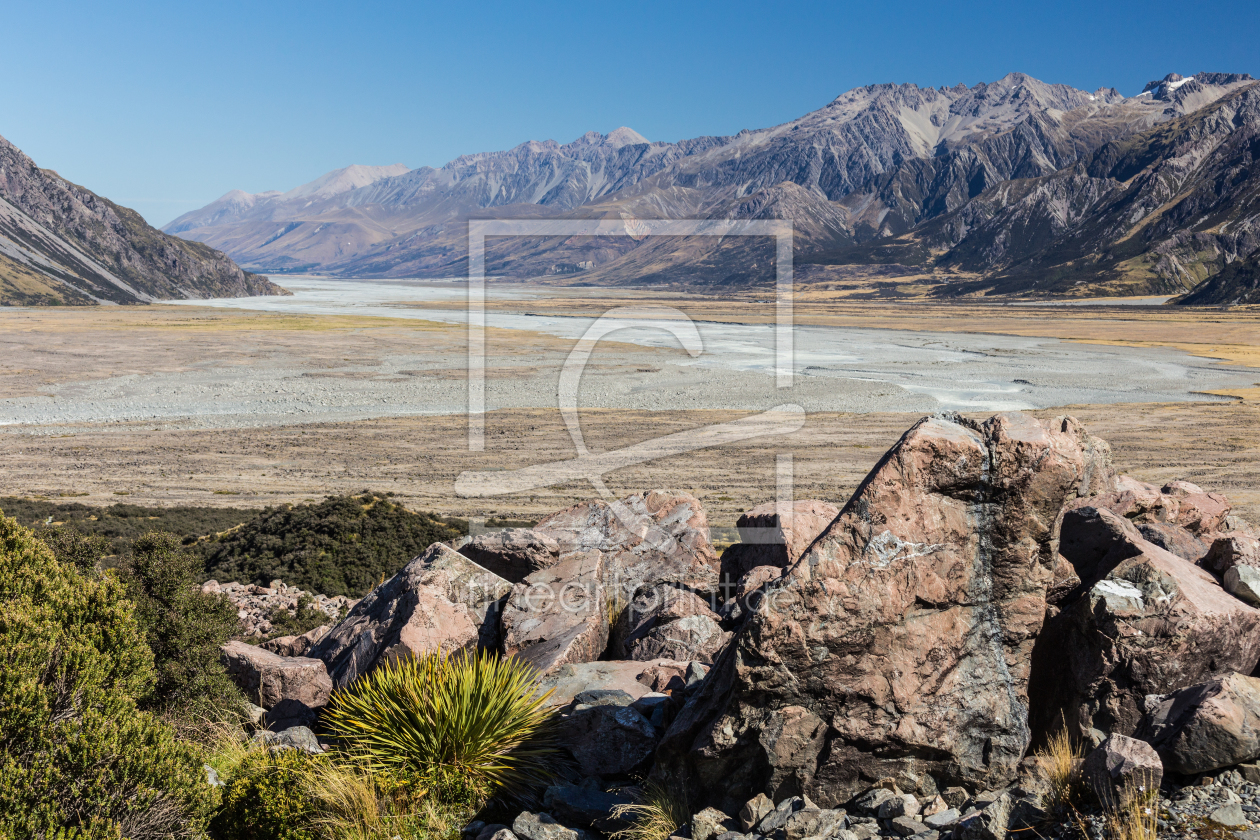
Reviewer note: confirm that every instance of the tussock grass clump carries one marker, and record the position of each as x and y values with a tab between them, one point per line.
1059	764
659	813
465	726
1133	815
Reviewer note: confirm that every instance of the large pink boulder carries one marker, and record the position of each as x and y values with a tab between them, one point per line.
268	678
660	537
441	602
559	615
900	641
776	534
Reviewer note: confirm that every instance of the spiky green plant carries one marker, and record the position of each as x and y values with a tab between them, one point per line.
658	813
466	725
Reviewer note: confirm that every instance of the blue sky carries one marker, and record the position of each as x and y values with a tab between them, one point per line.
165	106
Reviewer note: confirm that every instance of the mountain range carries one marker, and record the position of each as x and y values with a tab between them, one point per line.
63	244
1015	187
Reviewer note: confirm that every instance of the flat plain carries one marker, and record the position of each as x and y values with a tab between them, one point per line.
306	451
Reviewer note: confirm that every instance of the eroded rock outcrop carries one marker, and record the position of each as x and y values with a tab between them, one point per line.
656	538
440	602
559	615
668	624
902	637
1142	621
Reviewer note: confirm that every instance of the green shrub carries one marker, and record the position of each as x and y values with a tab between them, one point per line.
184	627
75	752
344	545
122	524
266	799
466	726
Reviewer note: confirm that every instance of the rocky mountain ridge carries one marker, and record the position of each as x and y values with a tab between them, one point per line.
63	244
885	175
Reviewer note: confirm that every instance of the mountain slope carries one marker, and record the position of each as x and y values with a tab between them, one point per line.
1156	213
883	175
61	243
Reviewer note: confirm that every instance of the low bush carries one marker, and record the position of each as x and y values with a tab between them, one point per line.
123	524
76	753
344	545
184	627
265	798
465	726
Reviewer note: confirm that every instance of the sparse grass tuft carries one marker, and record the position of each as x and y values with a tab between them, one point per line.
1135	816
658	814
1059	764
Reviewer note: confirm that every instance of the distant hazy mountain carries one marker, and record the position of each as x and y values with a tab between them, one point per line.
61	243
1012	187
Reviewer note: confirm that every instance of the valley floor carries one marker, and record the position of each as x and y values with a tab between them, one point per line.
186	370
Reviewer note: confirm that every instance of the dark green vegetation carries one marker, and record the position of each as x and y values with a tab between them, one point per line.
123	524
113	703
344	545
184	627
76	748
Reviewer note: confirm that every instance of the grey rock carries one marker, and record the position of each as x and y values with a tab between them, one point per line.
543	826
955	797
1230	815
874	799
655	707
814	822
296	645
603	697
943	819
989	823
778	818
710	823
908	827
473	828
297	738
634	678
905	805
1244	582
212	776
490	832
754	811
609	740
585	807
